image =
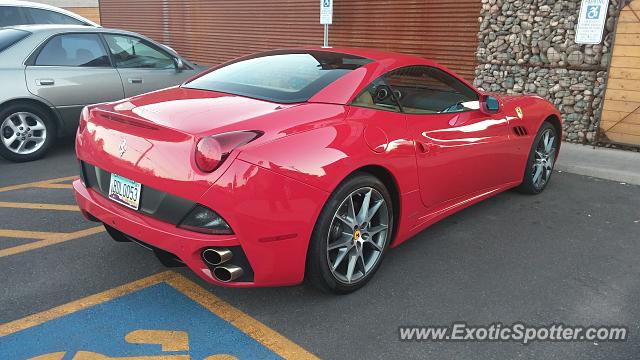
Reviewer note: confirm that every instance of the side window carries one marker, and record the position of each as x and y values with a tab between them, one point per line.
377	96
130	52
40	16
11	15
82	50
427	90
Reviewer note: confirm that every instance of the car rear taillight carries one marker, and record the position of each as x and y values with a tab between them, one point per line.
212	151
206	221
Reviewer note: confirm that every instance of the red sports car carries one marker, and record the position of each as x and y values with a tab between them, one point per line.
305	163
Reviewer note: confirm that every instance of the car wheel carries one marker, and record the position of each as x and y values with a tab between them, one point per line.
26	132
541	161
351	235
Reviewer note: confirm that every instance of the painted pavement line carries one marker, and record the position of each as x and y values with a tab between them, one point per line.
263	334
55	186
46	239
260	332
37	184
34	206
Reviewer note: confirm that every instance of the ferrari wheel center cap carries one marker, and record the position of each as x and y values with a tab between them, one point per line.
357	235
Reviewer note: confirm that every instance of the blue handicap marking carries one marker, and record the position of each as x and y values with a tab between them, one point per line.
593	11
157	322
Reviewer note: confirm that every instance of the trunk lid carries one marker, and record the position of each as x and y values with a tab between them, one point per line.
151	138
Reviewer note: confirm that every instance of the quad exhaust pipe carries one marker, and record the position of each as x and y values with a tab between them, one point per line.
215	257
228	273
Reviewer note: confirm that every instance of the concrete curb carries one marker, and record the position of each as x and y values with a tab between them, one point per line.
603	163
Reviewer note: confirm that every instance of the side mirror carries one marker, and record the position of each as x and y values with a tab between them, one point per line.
179	64
489	104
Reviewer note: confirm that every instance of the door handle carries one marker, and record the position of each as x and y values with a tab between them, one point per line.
135	81
45	82
422	147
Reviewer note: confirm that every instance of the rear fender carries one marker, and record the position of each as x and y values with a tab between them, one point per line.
323	157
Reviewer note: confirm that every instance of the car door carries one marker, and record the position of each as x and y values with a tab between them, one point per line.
459	149
71	71
144	66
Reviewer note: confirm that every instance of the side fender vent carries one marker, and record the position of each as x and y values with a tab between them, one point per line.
520	131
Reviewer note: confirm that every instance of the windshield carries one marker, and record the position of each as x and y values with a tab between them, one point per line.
9	37
280	77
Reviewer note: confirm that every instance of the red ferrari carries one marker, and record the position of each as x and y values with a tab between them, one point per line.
306	163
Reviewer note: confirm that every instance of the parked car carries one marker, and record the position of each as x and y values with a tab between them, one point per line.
55	70
309	162
24	13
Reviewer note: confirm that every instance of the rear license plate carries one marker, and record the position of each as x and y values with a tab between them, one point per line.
125	192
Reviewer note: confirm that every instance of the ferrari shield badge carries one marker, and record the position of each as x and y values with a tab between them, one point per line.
519	112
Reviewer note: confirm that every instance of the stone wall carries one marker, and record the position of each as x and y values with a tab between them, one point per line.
527	47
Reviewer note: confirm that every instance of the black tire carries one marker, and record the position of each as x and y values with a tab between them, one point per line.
6	132
529	186
319	273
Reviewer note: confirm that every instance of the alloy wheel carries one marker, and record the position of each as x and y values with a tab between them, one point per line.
544	159
23	133
358	235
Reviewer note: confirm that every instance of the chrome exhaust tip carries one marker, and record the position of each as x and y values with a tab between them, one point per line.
228	273
216	257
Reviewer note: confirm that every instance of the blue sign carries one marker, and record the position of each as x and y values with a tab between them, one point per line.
157	321
593	11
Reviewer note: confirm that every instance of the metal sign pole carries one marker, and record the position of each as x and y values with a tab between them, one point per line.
326	18
326	36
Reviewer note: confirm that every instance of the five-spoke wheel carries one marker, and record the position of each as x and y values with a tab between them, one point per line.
25	132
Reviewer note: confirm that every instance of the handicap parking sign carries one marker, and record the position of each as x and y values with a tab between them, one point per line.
593	16
593	11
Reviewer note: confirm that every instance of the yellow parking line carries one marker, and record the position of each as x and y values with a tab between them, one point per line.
20	234
250	326
46	239
48	315
55	186
266	336
15	205
36	184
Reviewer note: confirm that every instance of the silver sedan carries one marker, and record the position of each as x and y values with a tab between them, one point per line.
49	73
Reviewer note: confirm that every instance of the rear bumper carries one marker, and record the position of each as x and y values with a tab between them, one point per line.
272	217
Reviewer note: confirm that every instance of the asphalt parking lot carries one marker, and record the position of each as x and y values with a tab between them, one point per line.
569	256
